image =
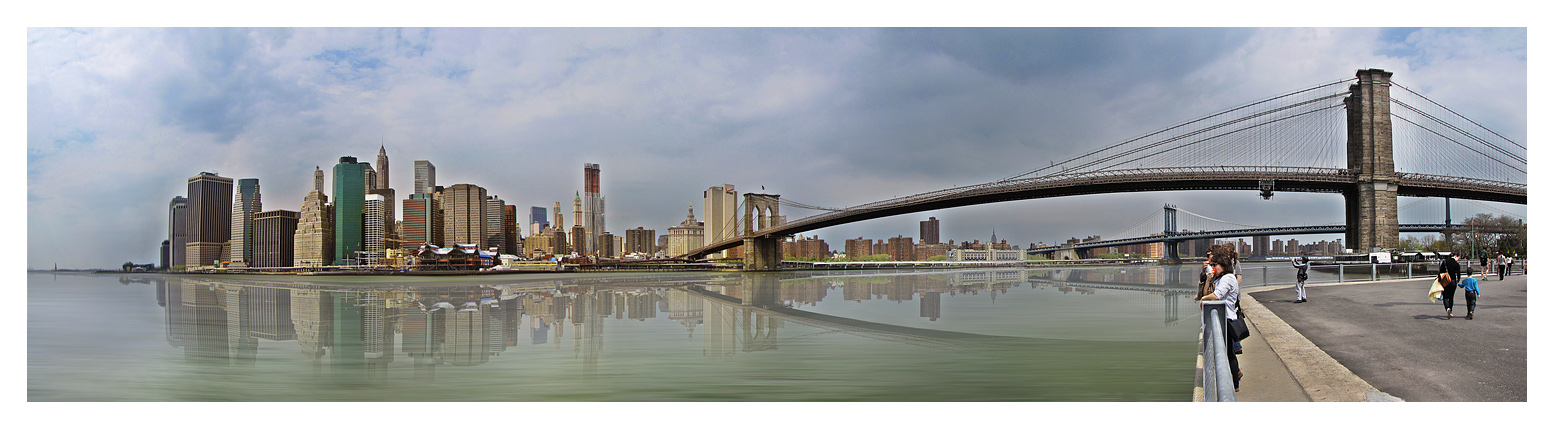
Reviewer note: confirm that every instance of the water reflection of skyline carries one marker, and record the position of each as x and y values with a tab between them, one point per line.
360	329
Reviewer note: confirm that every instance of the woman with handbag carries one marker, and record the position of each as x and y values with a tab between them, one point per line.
1300	279
1227	289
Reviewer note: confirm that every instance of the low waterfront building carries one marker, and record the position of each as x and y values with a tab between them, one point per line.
962	255
456	257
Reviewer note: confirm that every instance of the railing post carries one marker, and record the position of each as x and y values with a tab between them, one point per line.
1373	272
1340	273
1411	269
1265	276
1218	384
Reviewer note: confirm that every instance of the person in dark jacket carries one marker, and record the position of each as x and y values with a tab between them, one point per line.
1450	272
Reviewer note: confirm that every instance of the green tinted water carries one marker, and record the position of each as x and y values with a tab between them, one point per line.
1092	334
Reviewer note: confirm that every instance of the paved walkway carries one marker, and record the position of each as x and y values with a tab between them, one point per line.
1381	341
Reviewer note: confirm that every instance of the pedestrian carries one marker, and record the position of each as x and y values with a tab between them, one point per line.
1300	279
1450	271
1500	265
1510	264
1483	265
1470	291
1227	289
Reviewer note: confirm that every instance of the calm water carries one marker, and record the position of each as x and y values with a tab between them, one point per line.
1088	334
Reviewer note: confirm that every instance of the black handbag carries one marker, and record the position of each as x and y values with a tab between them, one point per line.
1238	329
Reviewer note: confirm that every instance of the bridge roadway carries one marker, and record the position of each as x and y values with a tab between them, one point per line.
1282	179
1248	232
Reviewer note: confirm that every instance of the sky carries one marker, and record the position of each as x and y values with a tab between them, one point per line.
117	119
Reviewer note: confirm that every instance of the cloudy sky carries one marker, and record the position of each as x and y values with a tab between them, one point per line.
119	118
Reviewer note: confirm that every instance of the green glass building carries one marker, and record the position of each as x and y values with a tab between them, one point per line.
350	199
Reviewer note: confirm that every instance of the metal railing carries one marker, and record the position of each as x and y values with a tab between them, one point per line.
1218	384
1363	272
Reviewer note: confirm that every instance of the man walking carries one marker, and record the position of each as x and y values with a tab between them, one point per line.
1500	265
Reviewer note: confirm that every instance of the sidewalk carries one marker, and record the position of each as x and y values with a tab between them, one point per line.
1386	337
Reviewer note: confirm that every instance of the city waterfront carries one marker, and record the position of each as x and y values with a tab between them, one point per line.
1121	333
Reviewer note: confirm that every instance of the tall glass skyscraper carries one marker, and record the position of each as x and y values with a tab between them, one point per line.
246	206
350	188
425	177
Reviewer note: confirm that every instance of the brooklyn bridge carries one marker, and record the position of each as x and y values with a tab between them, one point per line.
1369	138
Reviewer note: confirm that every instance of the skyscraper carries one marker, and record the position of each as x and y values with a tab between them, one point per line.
350	196
369	176
318	179
593	204
510	230
275	238
209	222
374	229
496	235
464	215
177	230
579	235
929	230
383	170
537	220
422	222
425	177
245	206
719	205
314	242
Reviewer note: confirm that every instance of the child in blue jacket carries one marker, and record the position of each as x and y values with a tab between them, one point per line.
1470	291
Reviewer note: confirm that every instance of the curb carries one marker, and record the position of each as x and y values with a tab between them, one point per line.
1321	376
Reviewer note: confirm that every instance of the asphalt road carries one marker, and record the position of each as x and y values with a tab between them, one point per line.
1388	334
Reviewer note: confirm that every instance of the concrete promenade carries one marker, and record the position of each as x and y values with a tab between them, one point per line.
1383	341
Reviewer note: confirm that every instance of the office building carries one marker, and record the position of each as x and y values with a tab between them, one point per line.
350	189
275	234
425	177
422	223
640	240
369	177
389	233
929	230
245	205
605	248
593	204
314	243
580	242
687	236
318	179
720	206
374	230
383	170
537	220
464	215
496	234
511	245
177	231
209	222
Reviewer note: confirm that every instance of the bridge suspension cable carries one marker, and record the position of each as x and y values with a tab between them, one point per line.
1465	118
1065	164
1217	220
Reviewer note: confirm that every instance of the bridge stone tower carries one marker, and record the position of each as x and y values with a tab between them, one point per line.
1370	208
1171	246
761	253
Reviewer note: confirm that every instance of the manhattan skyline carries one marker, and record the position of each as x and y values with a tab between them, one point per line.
118	119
